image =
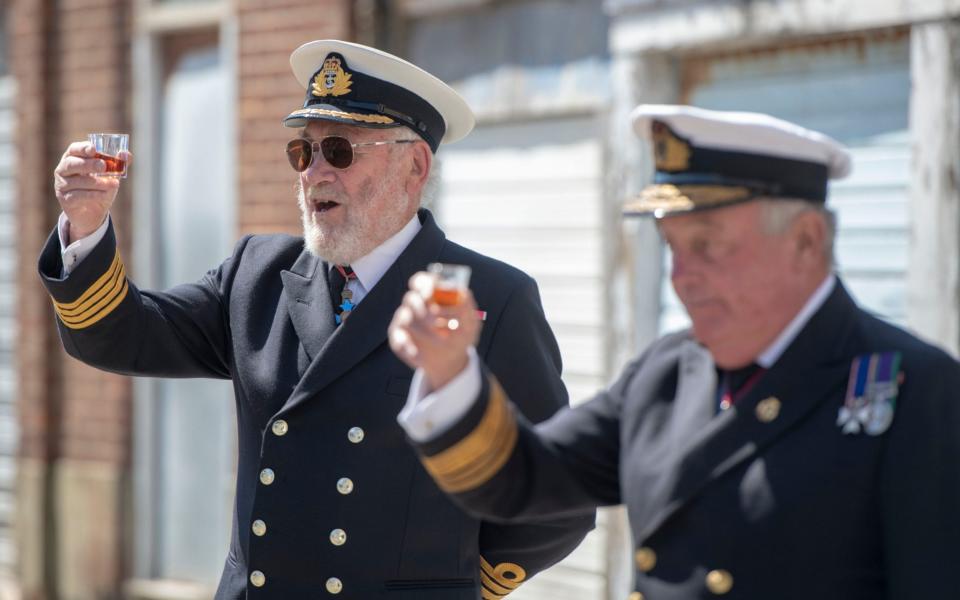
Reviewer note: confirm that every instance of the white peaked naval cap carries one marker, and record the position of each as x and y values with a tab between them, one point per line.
706	159
362	86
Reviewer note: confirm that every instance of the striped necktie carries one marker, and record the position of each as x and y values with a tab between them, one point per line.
735	383
340	295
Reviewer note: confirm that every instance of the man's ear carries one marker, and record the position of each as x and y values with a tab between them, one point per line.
420	164
809	232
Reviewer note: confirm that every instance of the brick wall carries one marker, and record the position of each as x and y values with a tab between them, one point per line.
90	78
71	63
27	24
269	31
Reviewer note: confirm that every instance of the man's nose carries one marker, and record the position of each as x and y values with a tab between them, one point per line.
678	266
685	274
319	171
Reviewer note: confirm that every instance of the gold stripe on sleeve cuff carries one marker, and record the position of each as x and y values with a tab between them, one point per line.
98	300
486	594
500	580
475	459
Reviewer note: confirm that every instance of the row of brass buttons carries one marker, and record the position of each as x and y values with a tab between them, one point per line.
338	537
267	477
718	581
333	585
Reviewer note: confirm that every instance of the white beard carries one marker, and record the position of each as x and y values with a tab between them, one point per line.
361	232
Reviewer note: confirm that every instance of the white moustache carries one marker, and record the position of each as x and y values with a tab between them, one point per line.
314	196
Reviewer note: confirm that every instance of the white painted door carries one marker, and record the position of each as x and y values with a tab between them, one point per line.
194	425
530	194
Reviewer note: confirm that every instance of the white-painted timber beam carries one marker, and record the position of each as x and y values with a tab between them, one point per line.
668	27
933	276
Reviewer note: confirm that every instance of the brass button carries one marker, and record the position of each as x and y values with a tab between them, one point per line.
635	596
338	537
267	476
768	409
280	427
646	559
355	435
334	585
259	528
719	581
257	578
344	485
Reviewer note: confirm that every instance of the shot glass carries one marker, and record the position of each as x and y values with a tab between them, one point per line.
450	284
108	147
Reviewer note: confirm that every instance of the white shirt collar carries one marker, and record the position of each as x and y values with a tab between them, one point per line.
370	268
768	357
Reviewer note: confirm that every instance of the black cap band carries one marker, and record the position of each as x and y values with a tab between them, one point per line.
765	175
357	96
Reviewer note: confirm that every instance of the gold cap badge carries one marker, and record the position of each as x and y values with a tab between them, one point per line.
331	80
670	152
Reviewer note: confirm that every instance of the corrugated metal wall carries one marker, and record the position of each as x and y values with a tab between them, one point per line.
529	193
856	90
8	274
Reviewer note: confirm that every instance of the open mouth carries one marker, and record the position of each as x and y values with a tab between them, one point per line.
322	206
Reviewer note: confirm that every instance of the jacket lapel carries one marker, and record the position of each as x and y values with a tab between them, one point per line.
692	424
811	370
366	328
308	300
694	416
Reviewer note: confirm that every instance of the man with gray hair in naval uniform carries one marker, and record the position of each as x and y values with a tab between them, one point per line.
788	446
330	500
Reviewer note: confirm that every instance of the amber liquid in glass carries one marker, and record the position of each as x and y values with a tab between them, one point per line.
114	164
447	296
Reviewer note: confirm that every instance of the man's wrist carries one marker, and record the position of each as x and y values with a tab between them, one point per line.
429	412
75	248
74	233
441	378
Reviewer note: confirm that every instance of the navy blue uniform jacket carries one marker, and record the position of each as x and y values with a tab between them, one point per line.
317	404
770	499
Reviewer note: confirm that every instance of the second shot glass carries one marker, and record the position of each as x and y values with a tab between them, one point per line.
450	283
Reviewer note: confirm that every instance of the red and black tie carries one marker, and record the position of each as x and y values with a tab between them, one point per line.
735	383
340	295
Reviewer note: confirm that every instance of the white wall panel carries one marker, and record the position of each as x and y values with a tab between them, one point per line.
529	193
856	91
9	429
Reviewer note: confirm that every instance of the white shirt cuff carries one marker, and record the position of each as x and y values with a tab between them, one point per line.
429	414
78	250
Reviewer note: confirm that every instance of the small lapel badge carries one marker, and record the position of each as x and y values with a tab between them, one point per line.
768	409
346	307
871	394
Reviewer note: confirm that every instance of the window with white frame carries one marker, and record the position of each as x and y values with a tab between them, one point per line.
184	224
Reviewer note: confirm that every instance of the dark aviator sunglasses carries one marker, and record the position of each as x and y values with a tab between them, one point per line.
337	151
